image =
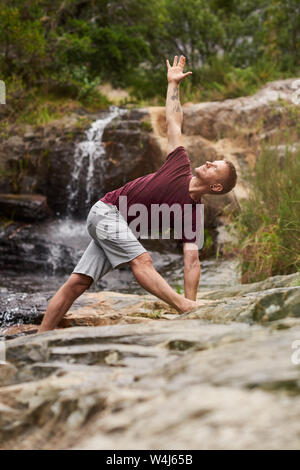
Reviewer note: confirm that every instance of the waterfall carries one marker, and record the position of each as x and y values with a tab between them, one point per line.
86	154
68	237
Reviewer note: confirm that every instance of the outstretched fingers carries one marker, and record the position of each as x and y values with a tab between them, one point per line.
182	62
178	67
175	61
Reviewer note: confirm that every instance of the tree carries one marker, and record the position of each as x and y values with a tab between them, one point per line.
193	30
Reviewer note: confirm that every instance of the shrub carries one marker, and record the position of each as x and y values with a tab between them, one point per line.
268	226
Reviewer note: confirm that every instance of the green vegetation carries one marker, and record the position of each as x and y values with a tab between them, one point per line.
208	248
146	126
64	49
55	55
155	314
179	289
268	226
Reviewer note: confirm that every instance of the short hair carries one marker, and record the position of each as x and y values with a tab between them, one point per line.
228	182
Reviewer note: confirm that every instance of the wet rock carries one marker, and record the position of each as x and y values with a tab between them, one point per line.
91	309
131	151
43	161
25	207
22	247
257	302
22	308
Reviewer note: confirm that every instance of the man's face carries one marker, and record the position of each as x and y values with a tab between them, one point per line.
212	172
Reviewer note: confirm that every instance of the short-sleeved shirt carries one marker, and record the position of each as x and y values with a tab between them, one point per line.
168	185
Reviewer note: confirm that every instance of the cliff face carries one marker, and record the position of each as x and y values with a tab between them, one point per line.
47	161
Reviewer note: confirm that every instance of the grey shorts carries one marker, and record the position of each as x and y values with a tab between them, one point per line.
113	243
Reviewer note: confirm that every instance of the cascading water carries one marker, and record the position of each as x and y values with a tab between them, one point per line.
87	154
72	233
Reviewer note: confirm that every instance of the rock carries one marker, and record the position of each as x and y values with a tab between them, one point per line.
233	117
257	302
26	207
242	290
251	302
15	141
29	247
91	309
44	161
29	136
89	387
117	386
131	151
277	304
7	373
10	332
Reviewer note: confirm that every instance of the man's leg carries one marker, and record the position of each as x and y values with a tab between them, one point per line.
153	282
63	299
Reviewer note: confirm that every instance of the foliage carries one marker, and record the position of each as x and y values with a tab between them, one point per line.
68	47
269	224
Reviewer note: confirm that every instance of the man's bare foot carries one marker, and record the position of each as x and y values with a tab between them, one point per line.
188	306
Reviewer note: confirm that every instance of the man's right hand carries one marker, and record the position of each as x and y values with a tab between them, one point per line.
175	72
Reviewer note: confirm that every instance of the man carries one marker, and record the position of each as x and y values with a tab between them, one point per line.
114	243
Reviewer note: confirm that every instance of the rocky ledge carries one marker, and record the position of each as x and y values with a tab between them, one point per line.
143	377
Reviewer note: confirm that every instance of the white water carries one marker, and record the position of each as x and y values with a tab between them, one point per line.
93	150
68	232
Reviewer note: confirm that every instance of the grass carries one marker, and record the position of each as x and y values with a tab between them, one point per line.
154	315
38	106
268	227
46	108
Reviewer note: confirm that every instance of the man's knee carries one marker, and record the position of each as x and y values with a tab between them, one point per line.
79	283
141	261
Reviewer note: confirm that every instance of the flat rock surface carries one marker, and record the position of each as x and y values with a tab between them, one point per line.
143	377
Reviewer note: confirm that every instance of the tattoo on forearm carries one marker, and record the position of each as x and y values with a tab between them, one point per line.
175	98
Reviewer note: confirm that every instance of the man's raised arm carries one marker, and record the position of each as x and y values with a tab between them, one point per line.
174	113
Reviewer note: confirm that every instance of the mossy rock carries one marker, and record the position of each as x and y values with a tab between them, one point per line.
277	305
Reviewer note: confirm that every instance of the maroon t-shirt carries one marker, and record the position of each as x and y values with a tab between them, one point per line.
168	185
